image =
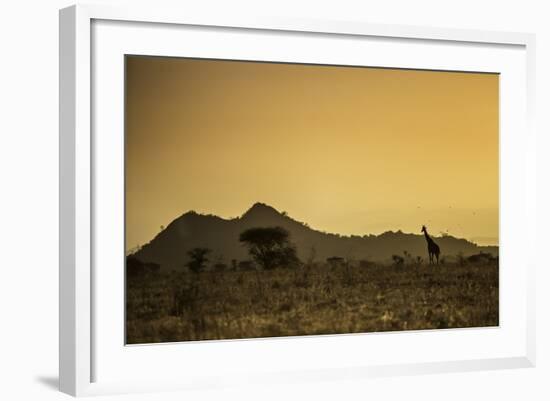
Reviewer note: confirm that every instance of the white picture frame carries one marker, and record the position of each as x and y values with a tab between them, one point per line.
81	342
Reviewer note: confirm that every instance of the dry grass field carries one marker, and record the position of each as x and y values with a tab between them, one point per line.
317	299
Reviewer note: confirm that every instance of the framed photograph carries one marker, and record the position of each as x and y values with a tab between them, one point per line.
279	200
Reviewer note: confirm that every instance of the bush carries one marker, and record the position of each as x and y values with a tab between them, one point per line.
398	261
198	259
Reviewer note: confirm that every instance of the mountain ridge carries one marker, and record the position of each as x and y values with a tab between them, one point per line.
191	229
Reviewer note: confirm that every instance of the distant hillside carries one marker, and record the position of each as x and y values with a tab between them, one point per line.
169	248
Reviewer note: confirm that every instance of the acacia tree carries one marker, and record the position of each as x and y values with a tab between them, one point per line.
197	259
270	247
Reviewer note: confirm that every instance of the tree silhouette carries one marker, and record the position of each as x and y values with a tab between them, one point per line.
198	259
270	247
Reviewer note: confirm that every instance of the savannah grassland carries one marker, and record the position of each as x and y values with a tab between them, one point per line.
312	299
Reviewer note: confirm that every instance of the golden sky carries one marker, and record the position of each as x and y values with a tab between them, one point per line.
347	150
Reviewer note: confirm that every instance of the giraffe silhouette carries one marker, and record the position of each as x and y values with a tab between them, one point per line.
433	248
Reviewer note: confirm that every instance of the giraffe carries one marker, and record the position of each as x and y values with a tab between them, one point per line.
433	248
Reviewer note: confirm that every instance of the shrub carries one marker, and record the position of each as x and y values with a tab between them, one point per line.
398	261
198	259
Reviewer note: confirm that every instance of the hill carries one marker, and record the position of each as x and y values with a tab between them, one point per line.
169	248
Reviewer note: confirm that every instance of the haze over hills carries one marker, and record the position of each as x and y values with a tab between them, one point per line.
169	248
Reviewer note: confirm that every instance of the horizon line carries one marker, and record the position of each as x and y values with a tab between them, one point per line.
305	224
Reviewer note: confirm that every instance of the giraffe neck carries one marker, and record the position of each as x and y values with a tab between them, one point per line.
427	236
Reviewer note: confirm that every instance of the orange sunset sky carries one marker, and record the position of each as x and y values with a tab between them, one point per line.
349	150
